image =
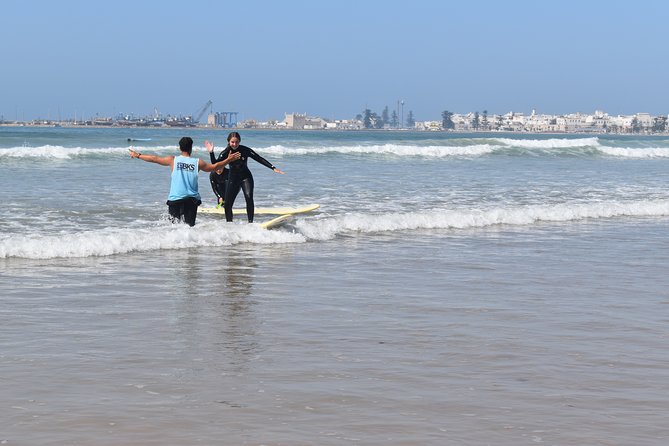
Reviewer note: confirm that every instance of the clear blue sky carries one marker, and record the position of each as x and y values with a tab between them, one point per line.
332	59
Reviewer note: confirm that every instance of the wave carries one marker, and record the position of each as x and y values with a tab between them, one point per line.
64	153
584	146
165	236
461	148
469	147
552	143
60	152
328	228
630	152
162	236
434	151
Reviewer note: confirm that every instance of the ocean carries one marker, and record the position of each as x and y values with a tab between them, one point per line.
465	289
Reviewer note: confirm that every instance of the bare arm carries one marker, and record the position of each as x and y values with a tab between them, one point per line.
162	160
206	167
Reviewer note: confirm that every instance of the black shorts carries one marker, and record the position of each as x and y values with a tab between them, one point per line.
186	208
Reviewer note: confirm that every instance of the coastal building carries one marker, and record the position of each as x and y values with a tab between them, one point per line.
645	120
315	124
347	124
597	122
429	125
540	122
295	120
299	121
222	119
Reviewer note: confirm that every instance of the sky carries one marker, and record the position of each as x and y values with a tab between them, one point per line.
73	58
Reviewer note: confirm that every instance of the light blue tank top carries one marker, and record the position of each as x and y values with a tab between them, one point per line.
184	179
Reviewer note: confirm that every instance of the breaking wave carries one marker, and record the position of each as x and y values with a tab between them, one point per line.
462	148
211	233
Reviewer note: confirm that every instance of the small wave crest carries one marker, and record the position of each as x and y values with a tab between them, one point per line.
552	143
627	152
433	151
111	241
63	153
165	236
330	227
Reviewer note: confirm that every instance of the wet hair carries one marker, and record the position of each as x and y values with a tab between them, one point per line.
234	135
186	144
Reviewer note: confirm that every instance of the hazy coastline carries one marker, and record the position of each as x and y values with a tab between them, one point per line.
324	130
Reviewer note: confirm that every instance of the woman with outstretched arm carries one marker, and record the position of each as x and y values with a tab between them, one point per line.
240	177
184	197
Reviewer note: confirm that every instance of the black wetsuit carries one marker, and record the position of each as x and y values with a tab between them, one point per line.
218	182
240	178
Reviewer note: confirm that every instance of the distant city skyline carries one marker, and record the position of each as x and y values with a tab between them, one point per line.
598	122
201	117
263	59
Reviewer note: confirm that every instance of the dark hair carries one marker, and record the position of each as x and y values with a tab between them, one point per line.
234	135
186	144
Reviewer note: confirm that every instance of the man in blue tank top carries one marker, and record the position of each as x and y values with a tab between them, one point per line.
184	197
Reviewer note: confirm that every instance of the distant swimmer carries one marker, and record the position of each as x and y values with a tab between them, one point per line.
240	176
138	139
184	197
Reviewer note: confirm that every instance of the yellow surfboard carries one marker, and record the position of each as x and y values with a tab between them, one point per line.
277	221
264	211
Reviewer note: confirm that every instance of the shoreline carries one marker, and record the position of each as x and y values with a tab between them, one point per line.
325	130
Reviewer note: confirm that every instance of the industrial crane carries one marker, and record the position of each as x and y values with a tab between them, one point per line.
201	112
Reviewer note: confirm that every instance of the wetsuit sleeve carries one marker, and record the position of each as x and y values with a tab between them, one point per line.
260	159
223	155
212	157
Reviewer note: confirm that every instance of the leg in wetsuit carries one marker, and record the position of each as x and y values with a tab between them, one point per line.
218	185
235	183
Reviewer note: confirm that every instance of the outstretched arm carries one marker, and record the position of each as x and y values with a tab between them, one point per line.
263	161
162	160
206	167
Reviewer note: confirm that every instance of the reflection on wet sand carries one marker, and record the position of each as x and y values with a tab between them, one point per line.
236	308
216	316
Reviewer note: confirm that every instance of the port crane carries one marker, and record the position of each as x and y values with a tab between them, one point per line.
199	114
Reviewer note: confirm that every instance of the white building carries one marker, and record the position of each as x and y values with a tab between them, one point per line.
295	120
645	120
299	121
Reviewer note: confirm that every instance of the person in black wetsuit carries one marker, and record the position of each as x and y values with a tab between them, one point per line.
218	178
240	176
184	198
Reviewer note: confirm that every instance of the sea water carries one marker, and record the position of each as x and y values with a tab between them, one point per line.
468	289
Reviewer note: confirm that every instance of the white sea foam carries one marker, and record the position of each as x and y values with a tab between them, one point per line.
60	152
111	241
328	228
552	143
458	149
434	151
48	151
399	150
626	152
